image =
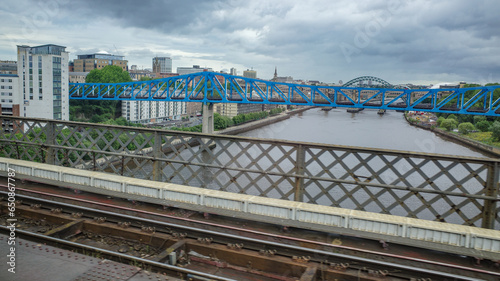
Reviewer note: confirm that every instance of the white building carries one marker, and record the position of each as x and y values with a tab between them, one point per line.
147	112
77	77
10	100
43	81
194	69
162	65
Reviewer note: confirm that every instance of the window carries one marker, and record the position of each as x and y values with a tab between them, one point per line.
1	80
10	80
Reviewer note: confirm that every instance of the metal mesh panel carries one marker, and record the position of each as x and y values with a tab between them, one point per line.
460	190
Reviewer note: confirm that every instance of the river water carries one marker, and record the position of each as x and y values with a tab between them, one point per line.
388	131
364	129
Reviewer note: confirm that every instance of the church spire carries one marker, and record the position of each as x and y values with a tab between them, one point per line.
275	73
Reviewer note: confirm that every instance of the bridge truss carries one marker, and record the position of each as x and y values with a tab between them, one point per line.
211	87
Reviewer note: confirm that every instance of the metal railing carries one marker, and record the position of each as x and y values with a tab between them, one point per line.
460	190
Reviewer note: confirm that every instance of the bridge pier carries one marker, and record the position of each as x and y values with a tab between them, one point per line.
207	126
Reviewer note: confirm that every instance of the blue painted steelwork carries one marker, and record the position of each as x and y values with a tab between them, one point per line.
223	88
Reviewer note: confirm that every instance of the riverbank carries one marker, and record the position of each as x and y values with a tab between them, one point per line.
489	150
252	125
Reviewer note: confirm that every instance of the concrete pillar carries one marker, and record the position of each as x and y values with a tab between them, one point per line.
208	118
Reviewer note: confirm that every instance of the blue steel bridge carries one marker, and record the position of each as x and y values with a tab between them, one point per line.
211	87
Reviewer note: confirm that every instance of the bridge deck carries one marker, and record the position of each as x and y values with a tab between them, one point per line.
463	240
223	88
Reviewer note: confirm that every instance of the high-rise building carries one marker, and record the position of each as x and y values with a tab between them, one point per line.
233	71
162	65
86	63
43	81
250	73
194	69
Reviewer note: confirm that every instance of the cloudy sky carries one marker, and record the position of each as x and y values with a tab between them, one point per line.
418	41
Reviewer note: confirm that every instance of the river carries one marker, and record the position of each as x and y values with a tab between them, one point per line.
364	129
388	131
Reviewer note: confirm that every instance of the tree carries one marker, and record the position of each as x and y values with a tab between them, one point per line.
449	124
145	78
479	118
440	120
452	116
220	123
483	126
495	129
108	74
465	128
88	109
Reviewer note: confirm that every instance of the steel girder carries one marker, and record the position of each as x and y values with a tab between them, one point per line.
223	88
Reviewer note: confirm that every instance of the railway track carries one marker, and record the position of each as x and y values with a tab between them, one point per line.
271	256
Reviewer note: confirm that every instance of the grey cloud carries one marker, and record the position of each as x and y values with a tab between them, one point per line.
405	40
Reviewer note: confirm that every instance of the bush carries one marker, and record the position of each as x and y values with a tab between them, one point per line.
276	110
449	124
478	119
440	120
221	122
465	128
495	129
483	126
242	118
452	116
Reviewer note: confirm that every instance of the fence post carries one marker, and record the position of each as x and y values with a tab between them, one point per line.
50	140
299	170
157	154
490	206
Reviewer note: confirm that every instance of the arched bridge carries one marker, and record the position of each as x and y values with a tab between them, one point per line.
211	87
366	81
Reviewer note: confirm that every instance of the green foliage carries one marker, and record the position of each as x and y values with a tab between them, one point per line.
222	122
452	116
108	74
145	78
196	129
440	120
465	128
495	130
99	111
479	118
276	110
449	124
483	126
242	118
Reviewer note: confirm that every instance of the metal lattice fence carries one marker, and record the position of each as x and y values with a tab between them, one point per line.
461	190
